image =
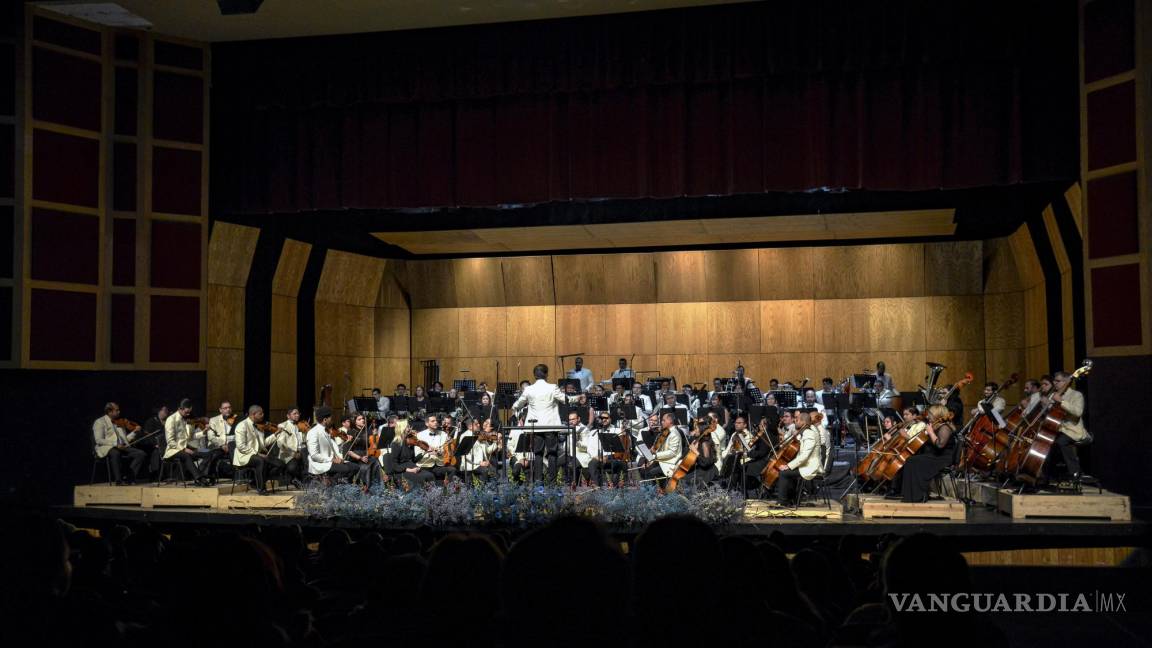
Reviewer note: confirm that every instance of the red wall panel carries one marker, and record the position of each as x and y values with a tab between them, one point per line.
175	331
65	247
175	255
65	168
63	325
1116	306
122	325
175	181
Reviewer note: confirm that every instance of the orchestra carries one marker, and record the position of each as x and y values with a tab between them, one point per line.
724	433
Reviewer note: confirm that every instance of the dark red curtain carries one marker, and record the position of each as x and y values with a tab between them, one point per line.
707	101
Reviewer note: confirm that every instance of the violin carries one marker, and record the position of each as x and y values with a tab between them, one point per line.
411	440
337	433
303	426
200	423
129	426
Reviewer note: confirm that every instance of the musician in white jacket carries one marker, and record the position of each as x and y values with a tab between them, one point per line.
808	462
542	400
667	448
178	436
323	453
112	441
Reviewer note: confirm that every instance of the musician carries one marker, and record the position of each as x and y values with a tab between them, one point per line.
290	447
112	441
419	401
665	387
177	435
383	405
811	402
693	402
151	440
541	400
624	371
667	450
882	381
324	451
483	389
717	388
431	461
990	402
670	403
741	380
355	451
251	447
1031	396
1072	430
640	399
617	396
700	441
487	409
755	458
786	427
583	374
773	384
477	462
436	390
827	386
734	450
722	412
808	462
218	438
936	455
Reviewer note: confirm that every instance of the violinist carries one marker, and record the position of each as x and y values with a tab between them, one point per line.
355	451
323	450
430	454
668	450
808	462
112	441
251	444
290	447
177	436
151	440
400	463
936	455
757	455
478	461
218	438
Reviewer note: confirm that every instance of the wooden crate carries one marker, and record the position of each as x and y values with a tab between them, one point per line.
985	493
761	511
102	494
277	500
875	506
1089	504
188	497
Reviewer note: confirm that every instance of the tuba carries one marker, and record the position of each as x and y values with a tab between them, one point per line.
929	389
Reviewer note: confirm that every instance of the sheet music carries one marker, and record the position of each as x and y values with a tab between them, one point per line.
644	451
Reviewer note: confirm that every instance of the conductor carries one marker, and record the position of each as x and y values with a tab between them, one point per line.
543	399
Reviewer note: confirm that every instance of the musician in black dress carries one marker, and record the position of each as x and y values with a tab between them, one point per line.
936	455
705	471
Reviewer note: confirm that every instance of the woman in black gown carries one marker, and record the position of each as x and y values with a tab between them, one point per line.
936	455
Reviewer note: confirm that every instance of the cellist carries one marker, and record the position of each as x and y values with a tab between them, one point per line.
920	469
808	463
700	441
1072	430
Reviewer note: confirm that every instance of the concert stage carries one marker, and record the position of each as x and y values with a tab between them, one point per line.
976	527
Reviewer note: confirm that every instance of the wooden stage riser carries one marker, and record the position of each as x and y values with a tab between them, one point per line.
222	496
873	507
1090	504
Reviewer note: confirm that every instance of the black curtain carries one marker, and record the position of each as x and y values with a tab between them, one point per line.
748	98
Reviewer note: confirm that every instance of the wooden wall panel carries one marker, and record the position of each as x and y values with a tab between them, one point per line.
330	370
429	284
1024	253
519	368
680	277
1035	316
479	282
788	325
630	328
435	333
225	316
528	281
532	331
681	328
350	279
895	324
733	327
580	329
686	367
959	362
789	273
290	268
1036	361
732	275
869	271
842	325
1004	320
953	268
784	367
483	332
392	294
1002	363
392	334
283	324
389	372
344	330
226	377
230	247
282	394
955	322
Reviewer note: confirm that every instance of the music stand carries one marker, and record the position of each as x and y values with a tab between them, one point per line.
758	412
400	403
598	403
440	404
865	401
581	411
914	399
366	405
623	413
682	398
785	398
863	381
733	401
625	382
464	384
464	446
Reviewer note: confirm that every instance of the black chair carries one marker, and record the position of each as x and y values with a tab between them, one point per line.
818	481
173	467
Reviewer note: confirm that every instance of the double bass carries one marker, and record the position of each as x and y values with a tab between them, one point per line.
786	453
1047	429
987	442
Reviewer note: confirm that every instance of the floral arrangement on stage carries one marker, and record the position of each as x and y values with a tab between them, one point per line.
513	504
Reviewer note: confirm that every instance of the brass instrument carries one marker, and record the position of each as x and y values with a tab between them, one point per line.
929	390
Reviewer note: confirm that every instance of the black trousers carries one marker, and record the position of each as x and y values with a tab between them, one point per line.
440	472
414	480
597	467
295	468
702	476
918	473
554	468
786	485
208	460
135	457
263	469
483	473
534	469
188	461
653	471
752	471
1068	450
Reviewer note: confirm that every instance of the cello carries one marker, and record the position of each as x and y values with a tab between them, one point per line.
689	460
1047	430
786	453
906	447
986	441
